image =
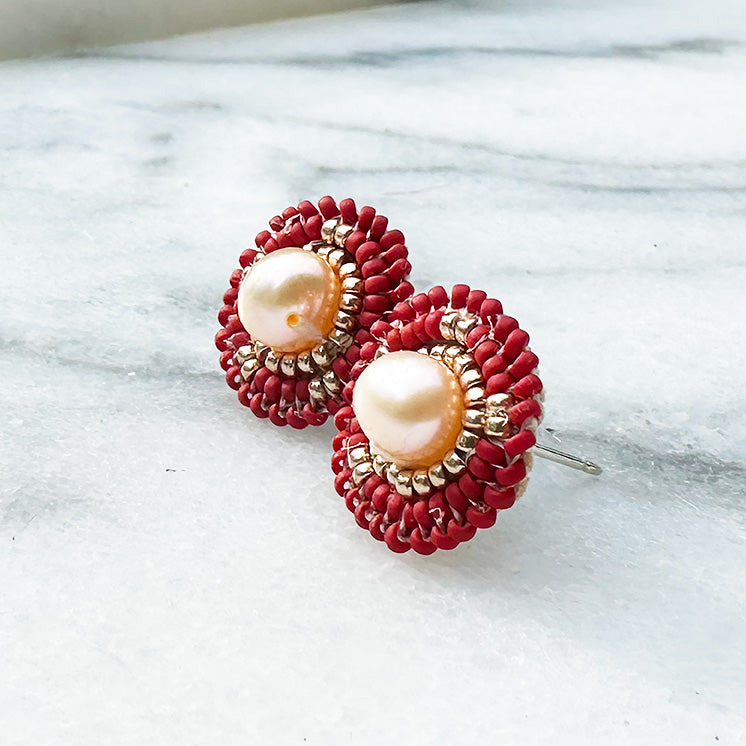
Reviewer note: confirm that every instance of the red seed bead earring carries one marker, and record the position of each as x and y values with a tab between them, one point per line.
301	306
439	424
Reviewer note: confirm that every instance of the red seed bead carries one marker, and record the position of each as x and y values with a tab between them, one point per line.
491	308
490	452
380	497
403	292
375	528
247	257
272	388
403	312
294	420
240	339
365	218
441	540
378	227
378	284
298	236
459	295
394	507
289	212
438	296
524	410
461	533
422	513
357	439
221	339
372	267
432	323
270	246
419	329
514	344
456	498
262	238
338	440
519	443
420	545
499	499
244	394
493	366
339	461
479	468
256	406
360	514
391	238
225	313
476	335
397	251
409	340
307	209
481	518
233	377
471	489
226	359
275	416
484	351
312	417
276	223
399	270
528	386
235	278
393	542
499	384
313	227
523	365
367	251
341	480
375	303
507	476
474	301
328	208
421	303
348	211
394	341
287	390
260	378
230	296
504	326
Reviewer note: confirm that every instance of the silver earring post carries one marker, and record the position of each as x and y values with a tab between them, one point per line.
566	459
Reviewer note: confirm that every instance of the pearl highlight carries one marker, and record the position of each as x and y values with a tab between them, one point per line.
288	300
409	405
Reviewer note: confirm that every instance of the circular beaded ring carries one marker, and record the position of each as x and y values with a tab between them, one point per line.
440	412
301	305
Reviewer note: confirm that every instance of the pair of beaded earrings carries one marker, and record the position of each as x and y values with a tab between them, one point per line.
435	395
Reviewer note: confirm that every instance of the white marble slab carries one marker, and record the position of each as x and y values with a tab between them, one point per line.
175	572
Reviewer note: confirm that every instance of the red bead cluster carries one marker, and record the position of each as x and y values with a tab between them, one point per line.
451	514
382	258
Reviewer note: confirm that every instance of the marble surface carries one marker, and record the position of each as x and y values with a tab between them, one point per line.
174	571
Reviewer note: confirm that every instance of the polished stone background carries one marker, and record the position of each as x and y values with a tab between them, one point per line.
173	571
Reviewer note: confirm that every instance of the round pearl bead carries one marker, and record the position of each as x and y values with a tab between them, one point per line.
410	407
288	300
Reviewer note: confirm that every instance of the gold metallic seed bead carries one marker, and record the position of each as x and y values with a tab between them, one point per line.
350	302
242	354
320	356
352	284
421	483
447	324
287	365
336	258
437	350
349	269
272	361
474	395
358	455
463	327
261	351
473	419
331	382
380	466
497	402
392	474
328	228
316	390
361	471
341	232
453	463
437	475
249	368
470	377
467	440
404	483
497	426
305	364
343	340
344	321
